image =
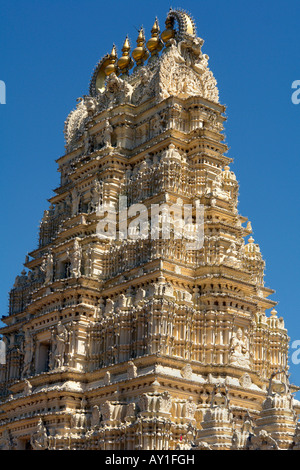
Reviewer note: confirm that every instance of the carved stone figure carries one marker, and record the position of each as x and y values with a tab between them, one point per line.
187	372
96	196
47	268
118	90
28	349
27	387
107	132
107	409
75	201
239	350
76	259
6	441
60	341
262	441
96	417
131	370
39	440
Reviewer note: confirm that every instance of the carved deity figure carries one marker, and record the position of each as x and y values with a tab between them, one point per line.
131	370
88	143
6	441
59	345
118	90
107	132
28	349
96	417
75	201
76	259
239	350
27	387
47	268
217	189
96	196
39	440
79	420
263	441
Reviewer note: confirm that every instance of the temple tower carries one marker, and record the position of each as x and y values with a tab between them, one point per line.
140	320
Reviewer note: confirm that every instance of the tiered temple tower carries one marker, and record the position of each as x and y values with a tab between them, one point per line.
139	340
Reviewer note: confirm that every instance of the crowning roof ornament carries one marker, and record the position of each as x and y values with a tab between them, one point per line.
180	70
180	26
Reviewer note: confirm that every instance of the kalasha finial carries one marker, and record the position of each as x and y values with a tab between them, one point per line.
155	44
169	32
140	53
112	66
125	62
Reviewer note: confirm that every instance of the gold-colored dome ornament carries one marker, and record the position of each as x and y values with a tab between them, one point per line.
155	44
140	53
125	62
169	32
112	66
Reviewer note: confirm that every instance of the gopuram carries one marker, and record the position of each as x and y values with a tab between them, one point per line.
132	327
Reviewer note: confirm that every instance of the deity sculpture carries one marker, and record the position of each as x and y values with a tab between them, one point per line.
39	440
28	349
107	132
239	350
76	259
47	268
75	201
59	346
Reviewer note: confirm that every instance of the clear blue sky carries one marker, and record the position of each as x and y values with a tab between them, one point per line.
48	51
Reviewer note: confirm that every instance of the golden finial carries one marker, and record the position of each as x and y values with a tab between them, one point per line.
155	44
140	53
112	66
125	62
169	32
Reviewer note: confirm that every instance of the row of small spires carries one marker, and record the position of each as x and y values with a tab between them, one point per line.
140	54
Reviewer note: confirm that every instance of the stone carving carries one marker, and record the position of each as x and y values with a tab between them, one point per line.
79	418
131	410
96	198
27	387
74	124
7	442
178	78
171	154
107	378
202	445
107	132
245	381
239	350
109	307
107	409
262	441
118	90
39	440
47	268
187	372
189	409
76	259
96	417
59	344
75	202
28	349
146	82
131	370
88	143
